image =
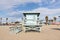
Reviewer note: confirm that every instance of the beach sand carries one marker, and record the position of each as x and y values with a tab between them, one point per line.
48	32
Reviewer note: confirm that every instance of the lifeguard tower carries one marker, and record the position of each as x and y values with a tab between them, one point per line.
31	22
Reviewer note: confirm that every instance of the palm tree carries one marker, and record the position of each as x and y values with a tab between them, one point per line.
46	18
59	18
52	20
6	20
0	20
17	22
55	19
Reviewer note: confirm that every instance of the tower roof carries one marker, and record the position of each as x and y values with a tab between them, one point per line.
31	13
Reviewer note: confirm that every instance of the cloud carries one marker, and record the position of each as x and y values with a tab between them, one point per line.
7	4
43	11
13	13
46	7
17	15
55	4
27	6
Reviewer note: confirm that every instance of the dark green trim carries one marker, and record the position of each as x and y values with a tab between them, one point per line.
31	14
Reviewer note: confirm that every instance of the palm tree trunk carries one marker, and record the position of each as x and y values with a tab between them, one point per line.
46	18
6	20
0	21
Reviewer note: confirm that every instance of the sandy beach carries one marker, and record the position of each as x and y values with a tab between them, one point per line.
48	32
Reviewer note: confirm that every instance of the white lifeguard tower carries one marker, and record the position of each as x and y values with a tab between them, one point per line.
31	22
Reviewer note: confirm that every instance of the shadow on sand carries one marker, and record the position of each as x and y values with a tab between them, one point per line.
32	31
55	28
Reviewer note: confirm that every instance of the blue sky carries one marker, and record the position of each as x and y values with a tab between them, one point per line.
13	9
